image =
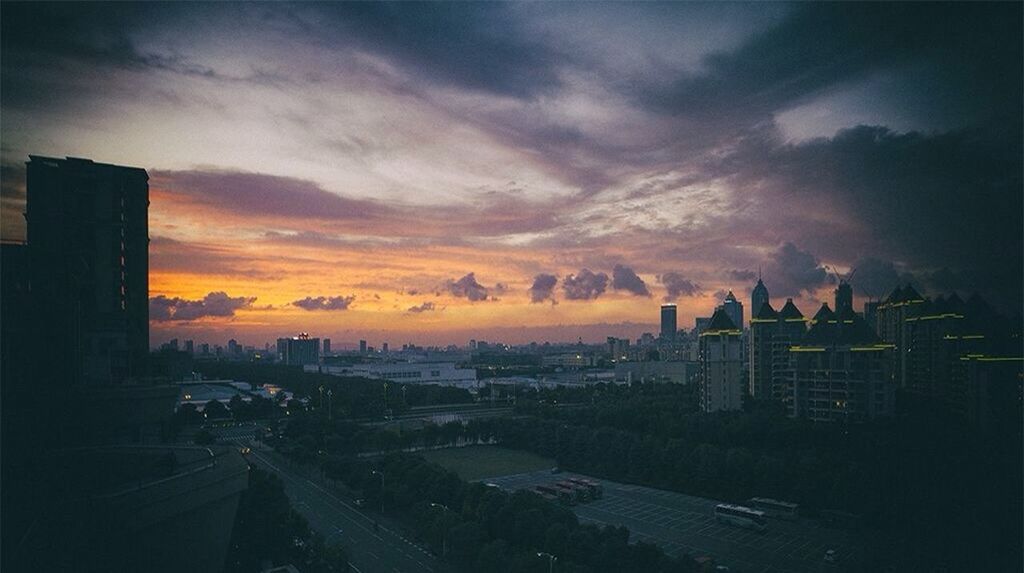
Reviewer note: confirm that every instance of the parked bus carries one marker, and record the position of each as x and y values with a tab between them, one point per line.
741	516
582	492
595	489
573	492
565	497
775	508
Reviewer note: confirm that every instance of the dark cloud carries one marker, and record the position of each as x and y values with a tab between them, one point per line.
425	307
676	286
876	278
792	271
472	46
543	287
740	275
466	287
623	278
585	285
325	302
215	304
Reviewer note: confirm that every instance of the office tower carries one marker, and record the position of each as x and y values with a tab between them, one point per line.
327	347
668	323
384	348
233	348
764	324
721	365
758	296
844	297
299	350
88	246
734	309
841	371
190	346
362	347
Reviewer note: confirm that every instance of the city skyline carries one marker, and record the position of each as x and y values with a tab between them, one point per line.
310	171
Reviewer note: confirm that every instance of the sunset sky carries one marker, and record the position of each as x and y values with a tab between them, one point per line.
439	172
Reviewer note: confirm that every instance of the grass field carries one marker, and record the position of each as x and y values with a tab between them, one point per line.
477	462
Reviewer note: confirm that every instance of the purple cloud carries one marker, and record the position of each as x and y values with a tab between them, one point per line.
325	302
425	307
623	278
584	286
676	286
217	304
467	287
543	288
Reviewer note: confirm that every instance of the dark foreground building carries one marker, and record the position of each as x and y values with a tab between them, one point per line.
88	484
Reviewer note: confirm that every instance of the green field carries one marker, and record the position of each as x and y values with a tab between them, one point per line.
478	462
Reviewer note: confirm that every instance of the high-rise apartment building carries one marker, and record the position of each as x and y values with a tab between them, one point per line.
734	309
299	350
88	247
758	296
721	365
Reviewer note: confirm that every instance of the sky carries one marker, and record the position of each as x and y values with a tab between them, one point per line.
519	172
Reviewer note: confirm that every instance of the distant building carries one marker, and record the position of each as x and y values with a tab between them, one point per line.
758	296
190	346
734	309
721	365
764	324
442	373
618	348
327	347
299	350
890	326
676	372
362	347
668	323
844	297
384	348
88	235
792	328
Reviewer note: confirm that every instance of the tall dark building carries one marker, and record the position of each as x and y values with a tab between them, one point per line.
88	245
758	296
299	350
844	297
668	323
327	347
734	309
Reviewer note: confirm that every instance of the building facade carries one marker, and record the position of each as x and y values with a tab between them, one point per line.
721	365
299	350
88	244
669	324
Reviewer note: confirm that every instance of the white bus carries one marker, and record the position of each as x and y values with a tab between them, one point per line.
741	516
775	508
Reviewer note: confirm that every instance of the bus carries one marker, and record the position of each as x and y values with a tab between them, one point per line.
563	496
581	492
595	489
741	516
775	508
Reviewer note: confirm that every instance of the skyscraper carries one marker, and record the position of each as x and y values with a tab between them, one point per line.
362	347
668	323
327	347
734	309
721	365
88	240
299	350
758	296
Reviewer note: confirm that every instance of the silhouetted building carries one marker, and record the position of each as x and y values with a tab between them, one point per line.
721	365
871	314
299	350
771	336
890	326
362	347
327	347
763	325
758	296
791	330
190	346
668	323
841	371
734	309
844	297
88	243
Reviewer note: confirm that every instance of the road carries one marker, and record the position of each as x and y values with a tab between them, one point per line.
683	524
371	550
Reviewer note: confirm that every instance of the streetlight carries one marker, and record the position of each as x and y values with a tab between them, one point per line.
551	560
381	474
444	530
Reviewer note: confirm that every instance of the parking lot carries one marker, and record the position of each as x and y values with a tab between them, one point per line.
682	524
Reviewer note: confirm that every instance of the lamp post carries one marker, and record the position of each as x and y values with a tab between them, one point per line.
551	560
381	474
444	530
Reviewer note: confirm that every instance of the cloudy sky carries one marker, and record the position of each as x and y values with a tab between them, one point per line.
439	172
